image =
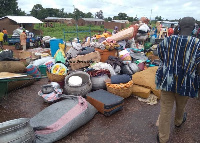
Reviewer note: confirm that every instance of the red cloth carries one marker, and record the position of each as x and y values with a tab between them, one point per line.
170	31
135	30
144	20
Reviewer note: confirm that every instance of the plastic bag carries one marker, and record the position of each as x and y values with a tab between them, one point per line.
60	58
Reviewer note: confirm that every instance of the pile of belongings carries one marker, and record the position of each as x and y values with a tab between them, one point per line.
94	76
18	31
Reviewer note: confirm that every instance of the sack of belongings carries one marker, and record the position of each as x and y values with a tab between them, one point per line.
12	66
16	131
61	118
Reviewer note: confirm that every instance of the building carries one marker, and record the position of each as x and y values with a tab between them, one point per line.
90	21
111	25
68	21
10	23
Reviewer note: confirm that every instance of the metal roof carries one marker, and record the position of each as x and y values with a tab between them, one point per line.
93	19
57	18
120	21
23	19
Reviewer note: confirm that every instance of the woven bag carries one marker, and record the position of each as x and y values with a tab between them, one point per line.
55	78
123	89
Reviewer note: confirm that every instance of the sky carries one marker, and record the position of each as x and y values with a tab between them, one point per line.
167	9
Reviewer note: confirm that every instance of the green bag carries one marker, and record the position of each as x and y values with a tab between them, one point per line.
148	45
60	58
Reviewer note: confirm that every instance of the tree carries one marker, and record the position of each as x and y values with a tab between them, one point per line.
70	15
10	7
130	19
52	12
109	19
99	14
78	14
61	13
115	18
37	11
159	18
89	15
122	16
136	18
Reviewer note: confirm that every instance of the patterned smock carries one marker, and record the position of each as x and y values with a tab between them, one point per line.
177	72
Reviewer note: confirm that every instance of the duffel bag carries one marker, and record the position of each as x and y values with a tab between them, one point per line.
61	118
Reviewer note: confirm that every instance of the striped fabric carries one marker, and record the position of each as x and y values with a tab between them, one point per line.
51	97
177	71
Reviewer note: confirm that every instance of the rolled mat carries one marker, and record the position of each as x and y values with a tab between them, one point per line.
141	91
123	34
12	66
146	78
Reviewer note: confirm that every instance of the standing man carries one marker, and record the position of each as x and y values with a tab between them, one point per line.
23	40
177	76
1	39
5	37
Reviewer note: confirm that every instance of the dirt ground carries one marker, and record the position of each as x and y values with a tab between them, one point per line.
134	124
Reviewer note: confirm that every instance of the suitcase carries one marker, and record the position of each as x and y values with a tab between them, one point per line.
105	102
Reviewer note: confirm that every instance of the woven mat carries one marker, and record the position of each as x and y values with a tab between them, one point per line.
5	75
151	100
146	78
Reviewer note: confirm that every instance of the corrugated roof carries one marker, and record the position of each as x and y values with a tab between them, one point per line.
23	19
120	21
57	18
93	19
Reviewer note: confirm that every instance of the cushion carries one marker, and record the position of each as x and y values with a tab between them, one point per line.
146	78
141	91
116	79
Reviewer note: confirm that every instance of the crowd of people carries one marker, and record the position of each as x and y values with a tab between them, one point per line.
4	38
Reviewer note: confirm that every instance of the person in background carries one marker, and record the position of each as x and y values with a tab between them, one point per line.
177	29
198	33
115	30
177	76
23	40
5	37
171	30
106	33
1	39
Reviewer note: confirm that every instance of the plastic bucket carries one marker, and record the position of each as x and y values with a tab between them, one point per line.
43	70
54	45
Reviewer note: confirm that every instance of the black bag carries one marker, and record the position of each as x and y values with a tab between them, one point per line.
7	55
115	62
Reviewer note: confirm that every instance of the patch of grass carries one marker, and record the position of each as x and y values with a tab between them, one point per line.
59	29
